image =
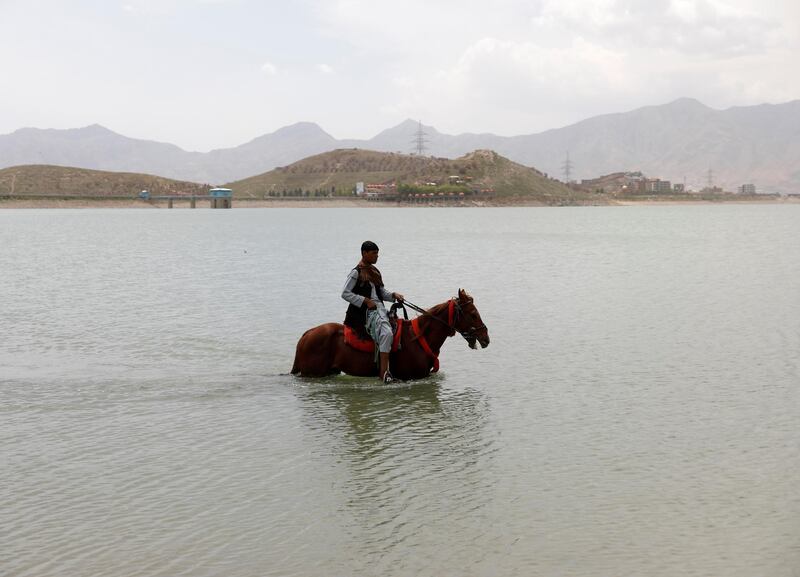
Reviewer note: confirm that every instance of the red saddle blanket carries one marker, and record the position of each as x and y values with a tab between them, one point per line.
352	339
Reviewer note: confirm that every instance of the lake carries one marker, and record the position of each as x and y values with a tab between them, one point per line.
635	414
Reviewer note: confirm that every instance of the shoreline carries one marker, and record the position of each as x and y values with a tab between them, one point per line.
56	203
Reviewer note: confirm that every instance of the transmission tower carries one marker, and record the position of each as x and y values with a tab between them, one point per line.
567	168
419	140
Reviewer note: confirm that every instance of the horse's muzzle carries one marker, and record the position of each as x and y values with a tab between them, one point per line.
473	341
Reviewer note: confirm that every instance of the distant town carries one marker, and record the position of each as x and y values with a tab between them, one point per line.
626	183
620	184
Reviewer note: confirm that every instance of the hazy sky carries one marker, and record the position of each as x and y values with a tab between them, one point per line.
209	74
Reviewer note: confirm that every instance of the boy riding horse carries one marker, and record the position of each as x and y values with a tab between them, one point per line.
365	292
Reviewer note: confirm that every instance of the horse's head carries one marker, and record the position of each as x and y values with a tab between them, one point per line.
468	321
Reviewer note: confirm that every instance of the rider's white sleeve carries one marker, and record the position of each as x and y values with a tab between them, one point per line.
347	291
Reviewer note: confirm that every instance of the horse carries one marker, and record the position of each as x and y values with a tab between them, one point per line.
322	350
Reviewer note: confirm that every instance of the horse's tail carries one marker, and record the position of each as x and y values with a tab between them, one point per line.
295	368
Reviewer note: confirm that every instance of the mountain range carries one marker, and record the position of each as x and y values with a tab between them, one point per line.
682	141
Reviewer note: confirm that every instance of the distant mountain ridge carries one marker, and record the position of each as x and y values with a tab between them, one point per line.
683	140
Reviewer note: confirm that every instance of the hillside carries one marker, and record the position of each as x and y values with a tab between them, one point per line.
66	181
337	173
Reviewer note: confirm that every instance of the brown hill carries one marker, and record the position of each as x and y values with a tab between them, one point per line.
44	180
337	173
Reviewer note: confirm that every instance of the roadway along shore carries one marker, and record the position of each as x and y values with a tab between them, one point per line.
36	203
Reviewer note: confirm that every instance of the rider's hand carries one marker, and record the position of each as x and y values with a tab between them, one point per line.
398	297
370	303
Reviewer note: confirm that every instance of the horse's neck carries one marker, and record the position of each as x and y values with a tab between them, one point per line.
435	332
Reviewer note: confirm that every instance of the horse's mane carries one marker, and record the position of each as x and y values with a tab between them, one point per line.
436	309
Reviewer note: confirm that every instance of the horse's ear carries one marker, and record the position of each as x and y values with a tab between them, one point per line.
461	294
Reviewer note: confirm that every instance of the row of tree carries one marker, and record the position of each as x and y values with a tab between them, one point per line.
405	189
402	190
300	192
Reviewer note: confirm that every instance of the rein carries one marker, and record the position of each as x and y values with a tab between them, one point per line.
451	320
454	309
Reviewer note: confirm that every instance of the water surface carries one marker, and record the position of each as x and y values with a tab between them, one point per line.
635	414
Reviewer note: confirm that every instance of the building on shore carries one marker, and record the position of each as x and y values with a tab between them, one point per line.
385	189
657	186
747	189
614	183
631	183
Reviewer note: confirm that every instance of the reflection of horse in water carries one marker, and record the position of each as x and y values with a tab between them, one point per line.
322	350
388	446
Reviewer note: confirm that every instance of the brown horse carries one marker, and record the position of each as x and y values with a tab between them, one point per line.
322	351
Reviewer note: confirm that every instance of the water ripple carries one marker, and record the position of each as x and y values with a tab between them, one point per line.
635	414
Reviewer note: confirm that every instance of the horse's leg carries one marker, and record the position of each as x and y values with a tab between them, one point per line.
409	365
410	362
314	356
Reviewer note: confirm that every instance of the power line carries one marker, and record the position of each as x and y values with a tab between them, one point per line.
419	140
567	168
